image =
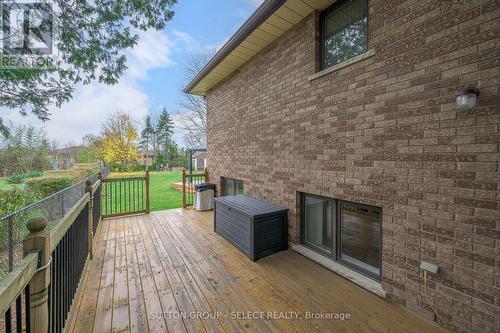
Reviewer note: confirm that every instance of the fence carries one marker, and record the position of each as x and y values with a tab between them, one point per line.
125	196
53	253
53	208
188	186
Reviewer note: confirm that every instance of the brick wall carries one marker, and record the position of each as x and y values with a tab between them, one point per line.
385	132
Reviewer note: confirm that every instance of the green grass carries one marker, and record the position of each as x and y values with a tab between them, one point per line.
4	186
162	195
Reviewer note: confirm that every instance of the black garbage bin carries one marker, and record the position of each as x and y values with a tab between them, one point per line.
204	195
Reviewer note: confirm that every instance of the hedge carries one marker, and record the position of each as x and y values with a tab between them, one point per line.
18	179
48	184
12	200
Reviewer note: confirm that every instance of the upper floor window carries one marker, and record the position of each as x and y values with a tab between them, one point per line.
344	31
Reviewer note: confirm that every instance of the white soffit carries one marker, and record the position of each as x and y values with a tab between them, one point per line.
285	17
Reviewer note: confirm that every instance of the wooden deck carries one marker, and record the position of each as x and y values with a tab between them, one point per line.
168	271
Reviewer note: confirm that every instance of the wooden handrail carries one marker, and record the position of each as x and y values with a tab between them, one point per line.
59	231
34	269
13	284
96	186
121	179
195	175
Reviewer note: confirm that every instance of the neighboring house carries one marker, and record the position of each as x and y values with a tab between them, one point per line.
147	157
64	158
346	113
199	160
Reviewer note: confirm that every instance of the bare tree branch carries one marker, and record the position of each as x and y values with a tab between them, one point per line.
193	116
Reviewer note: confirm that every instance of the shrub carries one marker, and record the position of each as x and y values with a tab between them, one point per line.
15	179
48	185
131	168
85	170
76	172
18	179
12	200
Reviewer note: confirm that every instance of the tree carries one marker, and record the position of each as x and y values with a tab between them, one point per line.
147	134
193	116
27	149
88	153
91	37
164	131
118	142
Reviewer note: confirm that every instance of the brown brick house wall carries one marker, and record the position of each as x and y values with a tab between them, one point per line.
386	132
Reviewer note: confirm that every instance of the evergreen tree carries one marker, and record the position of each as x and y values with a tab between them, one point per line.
164	131
147	134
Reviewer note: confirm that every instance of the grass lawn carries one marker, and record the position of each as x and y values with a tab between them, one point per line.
162	195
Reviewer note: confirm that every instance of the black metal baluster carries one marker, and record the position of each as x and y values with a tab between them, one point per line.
27	308
8	320
120	197
19	314
59	288
52	294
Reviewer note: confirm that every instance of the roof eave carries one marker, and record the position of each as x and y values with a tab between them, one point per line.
258	17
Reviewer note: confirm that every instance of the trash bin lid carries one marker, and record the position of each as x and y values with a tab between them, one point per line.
204	186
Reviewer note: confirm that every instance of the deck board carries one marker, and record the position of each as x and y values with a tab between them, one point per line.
159	272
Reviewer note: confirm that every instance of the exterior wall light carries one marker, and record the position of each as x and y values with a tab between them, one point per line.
467	98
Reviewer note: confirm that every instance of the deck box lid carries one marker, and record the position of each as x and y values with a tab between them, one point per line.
250	206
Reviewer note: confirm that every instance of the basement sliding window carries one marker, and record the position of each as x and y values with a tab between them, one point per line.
344	31
347	232
231	186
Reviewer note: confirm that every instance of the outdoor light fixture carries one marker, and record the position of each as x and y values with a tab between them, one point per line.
467	98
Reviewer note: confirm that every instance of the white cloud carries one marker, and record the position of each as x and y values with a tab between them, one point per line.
152	51
184	41
92	103
89	107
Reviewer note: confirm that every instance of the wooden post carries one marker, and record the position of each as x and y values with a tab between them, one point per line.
90	220
99	175
39	240
147	191
183	188
206	175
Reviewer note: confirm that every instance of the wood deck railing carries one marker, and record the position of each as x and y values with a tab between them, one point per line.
40	289
125	196
188	186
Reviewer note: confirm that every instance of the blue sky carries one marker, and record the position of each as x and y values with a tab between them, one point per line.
155	76
204	23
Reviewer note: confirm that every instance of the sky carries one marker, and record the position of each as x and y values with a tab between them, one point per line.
155	76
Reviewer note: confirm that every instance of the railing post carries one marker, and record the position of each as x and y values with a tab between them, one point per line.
206	175
183	188
38	240
90	222
101	206
147	191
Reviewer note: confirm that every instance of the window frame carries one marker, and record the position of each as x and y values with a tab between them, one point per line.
223	187
322	26
347	262
336	252
332	252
